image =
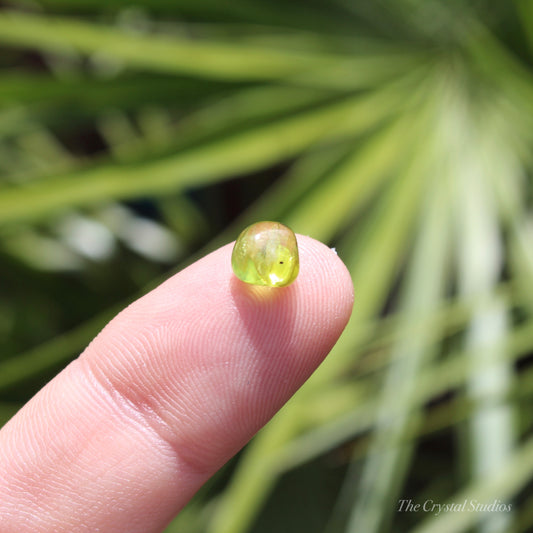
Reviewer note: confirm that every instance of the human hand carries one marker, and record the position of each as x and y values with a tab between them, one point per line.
170	389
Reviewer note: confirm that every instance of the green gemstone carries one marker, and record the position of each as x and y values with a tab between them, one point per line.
266	253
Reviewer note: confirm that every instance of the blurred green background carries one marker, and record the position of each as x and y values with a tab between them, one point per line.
135	137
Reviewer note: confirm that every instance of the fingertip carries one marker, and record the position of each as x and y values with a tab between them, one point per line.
173	387
328	274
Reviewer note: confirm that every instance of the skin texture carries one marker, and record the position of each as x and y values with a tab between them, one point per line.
169	390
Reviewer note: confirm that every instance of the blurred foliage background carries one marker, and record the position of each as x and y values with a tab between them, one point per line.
136	136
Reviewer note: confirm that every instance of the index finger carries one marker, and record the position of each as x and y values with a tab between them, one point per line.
170	389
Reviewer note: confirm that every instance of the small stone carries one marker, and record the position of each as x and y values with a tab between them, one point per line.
266	253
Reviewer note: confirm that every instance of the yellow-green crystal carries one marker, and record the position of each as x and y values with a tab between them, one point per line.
266	253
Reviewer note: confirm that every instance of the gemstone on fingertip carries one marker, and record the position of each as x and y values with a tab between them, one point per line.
266	253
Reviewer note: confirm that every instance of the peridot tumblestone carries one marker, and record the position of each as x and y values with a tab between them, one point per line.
266	253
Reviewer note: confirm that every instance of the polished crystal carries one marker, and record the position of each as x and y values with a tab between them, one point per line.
266	253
